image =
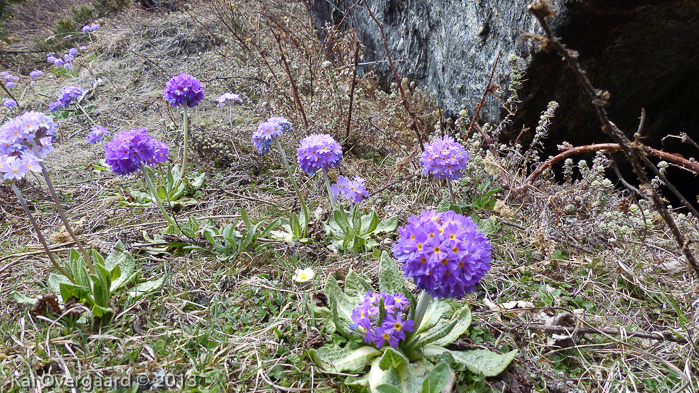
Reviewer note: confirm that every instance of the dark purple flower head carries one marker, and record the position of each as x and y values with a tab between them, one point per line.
96	134
9	78
184	89
392	328
73	52
352	190
58	62
68	95
9	103
129	149
86	29
444	159
444	253
36	74
318	151
25	133
228	97
54	106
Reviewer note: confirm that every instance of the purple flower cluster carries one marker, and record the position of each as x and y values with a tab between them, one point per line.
67	96
88	28
23	141
65	61
96	134
183	89
35	74
129	149
9	103
281	122
9	79
266	132
318	151
444	158
32	132
228	97
444	253
393	326
352	190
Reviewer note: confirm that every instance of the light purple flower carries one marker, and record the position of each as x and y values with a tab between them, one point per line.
68	95
283	122
96	134
444	158
86	29
318	151
54	106
73	52
58	62
16	169
94	26
31	130
10	85
184	89
444	253
393	327
36	74
228	97
51	59
352	190
9	103
67	65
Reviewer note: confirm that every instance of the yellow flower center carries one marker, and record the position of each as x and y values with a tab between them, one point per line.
397	326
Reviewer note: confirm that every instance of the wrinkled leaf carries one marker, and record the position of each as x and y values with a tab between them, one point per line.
478	361
336	359
437	380
147	286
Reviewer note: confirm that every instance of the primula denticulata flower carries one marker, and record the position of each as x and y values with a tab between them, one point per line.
96	134
184	89
394	325
129	149
444	158
32	132
444	253
265	134
352	190
228	97
282	122
318	151
69	94
9	103
304	275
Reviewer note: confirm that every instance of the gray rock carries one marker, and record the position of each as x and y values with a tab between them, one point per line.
646	53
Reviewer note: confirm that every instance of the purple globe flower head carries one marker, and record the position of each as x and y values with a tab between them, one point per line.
318	151
282	122
36	74
10	85
8	77
352	190
69	94
96	134
58	62
265	134
51	59
73	52
228	97
94	26
184	89
30	132
444	158
393	327
54	106
68	65
129	149
68	58
444	253
86	29
9	103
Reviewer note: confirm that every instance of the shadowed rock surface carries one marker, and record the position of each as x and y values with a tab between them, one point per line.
645	53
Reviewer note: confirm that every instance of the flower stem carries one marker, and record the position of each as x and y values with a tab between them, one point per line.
451	192
23	202
420	309
186	144
230	114
154	192
85	112
62	213
330	190
293	183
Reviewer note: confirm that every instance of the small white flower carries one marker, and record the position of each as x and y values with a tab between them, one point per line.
304	275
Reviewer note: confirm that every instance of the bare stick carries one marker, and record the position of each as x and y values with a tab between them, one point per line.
600	99
294	90
354	83
488	87
419	132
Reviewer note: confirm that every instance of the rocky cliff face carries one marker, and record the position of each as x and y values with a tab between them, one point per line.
646	53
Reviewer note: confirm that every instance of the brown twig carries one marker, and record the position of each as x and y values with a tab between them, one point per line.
634	151
354	83
294	90
488	87
611	147
661	336
419	132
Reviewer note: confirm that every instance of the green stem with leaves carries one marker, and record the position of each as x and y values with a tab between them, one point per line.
62	214
171	223
293	184
23	202
330	190
185	127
